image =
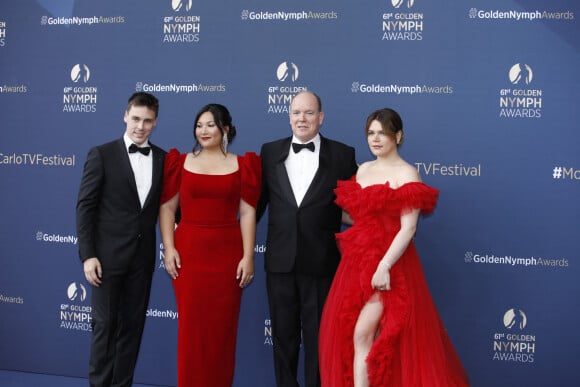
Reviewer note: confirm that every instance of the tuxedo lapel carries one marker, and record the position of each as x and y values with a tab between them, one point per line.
282	174
157	172
285	186
126	170
320	175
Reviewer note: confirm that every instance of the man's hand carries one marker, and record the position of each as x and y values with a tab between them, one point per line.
93	271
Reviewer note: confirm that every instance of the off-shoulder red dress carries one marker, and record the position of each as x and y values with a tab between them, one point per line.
208	239
412	348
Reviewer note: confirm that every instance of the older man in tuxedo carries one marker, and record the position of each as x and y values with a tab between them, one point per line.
299	174
116	213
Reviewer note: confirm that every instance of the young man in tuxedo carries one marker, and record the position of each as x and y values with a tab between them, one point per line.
299	174
116	213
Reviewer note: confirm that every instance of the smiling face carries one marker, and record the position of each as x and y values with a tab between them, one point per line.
207	132
305	116
140	121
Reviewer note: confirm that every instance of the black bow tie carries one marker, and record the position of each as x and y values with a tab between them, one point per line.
298	147
144	150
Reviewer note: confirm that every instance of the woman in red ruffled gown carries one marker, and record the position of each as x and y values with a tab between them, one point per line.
380	326
210	255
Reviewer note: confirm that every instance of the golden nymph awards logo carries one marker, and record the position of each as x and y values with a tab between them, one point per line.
513	344
521	100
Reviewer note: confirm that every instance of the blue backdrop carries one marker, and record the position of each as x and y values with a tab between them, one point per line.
489	97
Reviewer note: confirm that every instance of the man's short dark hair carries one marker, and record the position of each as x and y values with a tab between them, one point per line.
144	99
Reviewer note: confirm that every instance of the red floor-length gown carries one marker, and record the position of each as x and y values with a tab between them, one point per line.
412	348
209	242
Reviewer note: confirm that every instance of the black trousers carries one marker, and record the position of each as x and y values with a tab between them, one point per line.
119	306
296	302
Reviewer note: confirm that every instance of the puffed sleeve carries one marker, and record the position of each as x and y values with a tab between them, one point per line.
251	171
172	174
347	194
400	201
418	196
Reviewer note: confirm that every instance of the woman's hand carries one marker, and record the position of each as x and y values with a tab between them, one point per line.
245	272
172	262
382	279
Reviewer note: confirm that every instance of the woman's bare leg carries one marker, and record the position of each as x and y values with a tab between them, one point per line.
364	335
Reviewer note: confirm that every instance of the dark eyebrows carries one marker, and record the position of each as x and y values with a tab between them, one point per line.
138	118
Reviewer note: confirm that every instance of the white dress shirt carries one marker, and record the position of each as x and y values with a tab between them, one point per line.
301	167
142	166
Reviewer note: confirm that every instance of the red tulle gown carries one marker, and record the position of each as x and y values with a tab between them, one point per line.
412	348
209	242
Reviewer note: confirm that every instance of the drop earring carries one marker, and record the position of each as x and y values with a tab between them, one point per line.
225	143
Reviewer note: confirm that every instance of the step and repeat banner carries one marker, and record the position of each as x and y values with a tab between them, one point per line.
488	91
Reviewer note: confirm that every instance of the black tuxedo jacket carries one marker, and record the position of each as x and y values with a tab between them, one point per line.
301	238
111	225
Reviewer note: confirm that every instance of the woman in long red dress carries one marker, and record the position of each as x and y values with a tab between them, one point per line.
380	326
210	255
